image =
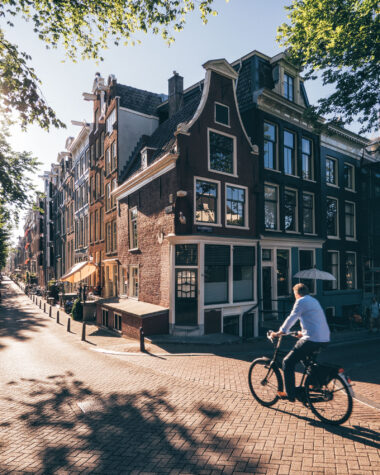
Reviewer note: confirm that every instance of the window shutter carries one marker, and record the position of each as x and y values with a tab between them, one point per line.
217	255
244	256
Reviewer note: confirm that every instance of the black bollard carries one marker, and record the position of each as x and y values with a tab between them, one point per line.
40	304
58	316
44	307
69	324
83	331
50	311
142	342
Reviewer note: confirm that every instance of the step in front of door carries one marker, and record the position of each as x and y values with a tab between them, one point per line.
183	330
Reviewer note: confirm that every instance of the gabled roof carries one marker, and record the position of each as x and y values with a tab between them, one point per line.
137	99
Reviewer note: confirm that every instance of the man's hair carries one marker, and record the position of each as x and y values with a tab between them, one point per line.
301	289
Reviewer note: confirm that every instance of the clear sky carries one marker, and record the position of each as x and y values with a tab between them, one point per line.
240	27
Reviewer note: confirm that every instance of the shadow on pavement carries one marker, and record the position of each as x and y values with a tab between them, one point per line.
72	428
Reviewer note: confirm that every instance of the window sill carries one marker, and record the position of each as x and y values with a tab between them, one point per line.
336	238
134	250
202	223
309	180
310	234
272	170
272	230
231	226
223	173
291	232
351	190
291	175
350	239
332	185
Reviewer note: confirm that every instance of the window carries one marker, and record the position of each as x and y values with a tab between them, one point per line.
110	121
217	262
114	236
108	237
206	207
282	272
96	119
266	254
331	171
350	270
117	322
307	160
97	186
349	176
332	266
105	318
96	225
349	213
271	207
290	210
244	260
288	87
113	156
101	223
102	144
235	206
332	217
113	187
133	242
306	261
86	230
101	189
108	196
186	255
222	114
289	154
134	281
308	213
124	281
221	153
97	148
107	164
270	146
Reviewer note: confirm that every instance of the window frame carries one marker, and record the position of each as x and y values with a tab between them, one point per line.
275	146
285	147
313	213
333	236
234	153
296	230
286	86
311	156
131	294
355	270
218	222
133	231
276	228
117	317
246	204
348	237
352	167
229	115
337	281
336	172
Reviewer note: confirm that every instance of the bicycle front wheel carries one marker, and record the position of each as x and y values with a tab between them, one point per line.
264	381
332	402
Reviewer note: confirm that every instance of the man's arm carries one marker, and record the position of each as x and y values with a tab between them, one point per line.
292	318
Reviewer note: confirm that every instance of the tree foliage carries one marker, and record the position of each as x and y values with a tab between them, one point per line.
83	28
338	40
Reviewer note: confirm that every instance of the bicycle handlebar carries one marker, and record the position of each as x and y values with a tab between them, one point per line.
269	333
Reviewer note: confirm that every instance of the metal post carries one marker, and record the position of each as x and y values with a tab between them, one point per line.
142	342
83	331
50	311
40	304
44	307
69	324
58	316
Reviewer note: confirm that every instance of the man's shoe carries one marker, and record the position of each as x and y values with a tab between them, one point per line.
282	395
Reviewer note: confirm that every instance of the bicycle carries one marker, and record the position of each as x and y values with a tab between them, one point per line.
326	390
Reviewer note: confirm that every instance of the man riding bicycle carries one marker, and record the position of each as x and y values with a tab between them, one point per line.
314	334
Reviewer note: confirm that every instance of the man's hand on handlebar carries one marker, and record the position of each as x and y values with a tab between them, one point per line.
276	334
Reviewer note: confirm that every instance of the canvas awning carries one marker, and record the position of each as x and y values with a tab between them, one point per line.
79	272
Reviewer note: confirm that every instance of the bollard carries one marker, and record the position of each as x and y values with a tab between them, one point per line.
69	324
83	331
44	307
50	311
142	342
40	304
57	316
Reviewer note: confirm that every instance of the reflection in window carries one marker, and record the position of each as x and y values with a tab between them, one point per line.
289	154
349	176
235	206
270	149
206	202
270	206
350	270
331	171
221	153
349	209
290	210
308	213
282	272
332	217
332	266
307	160
133	240
186	255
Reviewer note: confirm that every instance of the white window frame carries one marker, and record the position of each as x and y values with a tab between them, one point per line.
218	204
296	211
276	154
131	248
311	159
338	264
229	115
293	86
336	172
105	311
276	229
246	213
130	282
313	197
350	238
117	316
234	158
353	189
355	272
295	171
330	236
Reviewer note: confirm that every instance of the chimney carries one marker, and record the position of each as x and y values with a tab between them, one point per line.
175	93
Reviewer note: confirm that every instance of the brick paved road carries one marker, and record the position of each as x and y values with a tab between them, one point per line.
65	409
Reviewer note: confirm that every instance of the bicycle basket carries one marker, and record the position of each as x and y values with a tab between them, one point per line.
323	373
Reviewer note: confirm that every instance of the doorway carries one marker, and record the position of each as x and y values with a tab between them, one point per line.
186	297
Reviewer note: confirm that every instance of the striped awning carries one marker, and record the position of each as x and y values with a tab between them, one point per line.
79	272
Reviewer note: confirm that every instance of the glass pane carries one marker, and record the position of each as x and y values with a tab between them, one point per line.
243	283
306	146
269	132
186	254
206	195
216	284
290	205
288	139
282	272
268	155
332	217
221	153
222	114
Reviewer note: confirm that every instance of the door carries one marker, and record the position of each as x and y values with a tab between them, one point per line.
186	297
267	288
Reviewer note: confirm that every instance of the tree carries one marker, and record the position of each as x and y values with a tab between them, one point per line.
84	29
338	40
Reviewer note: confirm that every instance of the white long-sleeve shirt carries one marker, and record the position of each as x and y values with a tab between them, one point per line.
312	318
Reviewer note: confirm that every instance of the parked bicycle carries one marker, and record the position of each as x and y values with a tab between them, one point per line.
324	388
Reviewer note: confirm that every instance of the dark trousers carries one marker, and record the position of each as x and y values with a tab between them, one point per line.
301	349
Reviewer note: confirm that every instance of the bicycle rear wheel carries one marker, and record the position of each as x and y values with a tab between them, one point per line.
332	402
264	381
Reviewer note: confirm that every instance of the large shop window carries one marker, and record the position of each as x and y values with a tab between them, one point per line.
244	261
282	272
206	202
307	262
221	153
235	202
186	255
270	146
217	262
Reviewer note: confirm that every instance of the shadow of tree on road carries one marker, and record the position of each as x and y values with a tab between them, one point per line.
75	428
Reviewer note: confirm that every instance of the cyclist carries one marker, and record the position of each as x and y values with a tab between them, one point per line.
315	334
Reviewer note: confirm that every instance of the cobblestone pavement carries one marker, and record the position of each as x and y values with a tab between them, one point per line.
65	409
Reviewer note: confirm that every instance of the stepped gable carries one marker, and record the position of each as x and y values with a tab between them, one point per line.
138	100
163	137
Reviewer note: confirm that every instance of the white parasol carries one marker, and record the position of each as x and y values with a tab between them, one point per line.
314	274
